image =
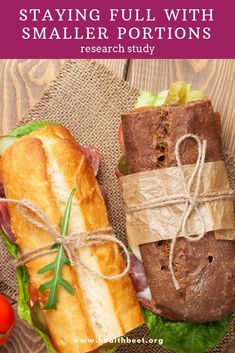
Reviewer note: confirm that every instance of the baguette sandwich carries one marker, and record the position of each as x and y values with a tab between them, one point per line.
196	317
42	163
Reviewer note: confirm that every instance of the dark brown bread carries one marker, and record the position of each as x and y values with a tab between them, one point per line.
205	269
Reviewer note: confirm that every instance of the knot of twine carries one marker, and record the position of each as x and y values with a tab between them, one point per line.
190	198
70	243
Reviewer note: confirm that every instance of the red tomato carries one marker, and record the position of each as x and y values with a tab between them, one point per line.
6	319
52	342
33	293
120	138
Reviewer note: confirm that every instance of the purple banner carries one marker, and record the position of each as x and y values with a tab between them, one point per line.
117	29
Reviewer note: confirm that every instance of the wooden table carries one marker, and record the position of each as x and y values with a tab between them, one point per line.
24	81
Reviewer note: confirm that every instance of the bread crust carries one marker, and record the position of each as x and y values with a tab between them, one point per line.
27	170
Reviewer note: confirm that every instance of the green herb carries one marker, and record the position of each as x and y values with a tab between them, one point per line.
64	224
186	337
57	265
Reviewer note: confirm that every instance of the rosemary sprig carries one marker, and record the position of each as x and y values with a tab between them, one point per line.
57	265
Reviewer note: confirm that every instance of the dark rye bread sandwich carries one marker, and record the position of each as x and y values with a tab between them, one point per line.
205	269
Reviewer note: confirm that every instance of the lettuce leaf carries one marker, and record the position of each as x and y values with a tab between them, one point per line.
13	249
22	278
184	337
179	93
151	99
26	129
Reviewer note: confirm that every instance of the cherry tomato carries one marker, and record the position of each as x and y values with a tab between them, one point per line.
33	293
6	319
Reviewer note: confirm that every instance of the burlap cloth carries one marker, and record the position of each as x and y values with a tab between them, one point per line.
88	99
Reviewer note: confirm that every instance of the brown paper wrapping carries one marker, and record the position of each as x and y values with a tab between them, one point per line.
160	223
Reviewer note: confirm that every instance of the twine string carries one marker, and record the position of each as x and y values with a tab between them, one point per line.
191	199
191	203
70	243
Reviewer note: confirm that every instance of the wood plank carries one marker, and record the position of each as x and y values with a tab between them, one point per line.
117	66
22	83
23	339
214	77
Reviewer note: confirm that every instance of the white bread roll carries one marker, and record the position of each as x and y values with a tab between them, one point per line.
44	167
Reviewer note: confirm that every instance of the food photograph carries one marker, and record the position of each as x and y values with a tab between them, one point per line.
117	227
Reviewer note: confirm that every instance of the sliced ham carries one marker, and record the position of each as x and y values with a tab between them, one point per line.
139	280
92	154
149	306
118	173
5	222
137	274
120	138
104	194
